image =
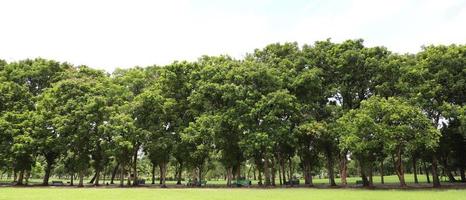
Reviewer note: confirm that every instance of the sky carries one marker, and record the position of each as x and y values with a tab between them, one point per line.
106	34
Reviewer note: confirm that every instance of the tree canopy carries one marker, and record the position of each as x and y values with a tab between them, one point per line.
331	109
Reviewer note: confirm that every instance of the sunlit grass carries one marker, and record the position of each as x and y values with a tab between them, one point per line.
9	193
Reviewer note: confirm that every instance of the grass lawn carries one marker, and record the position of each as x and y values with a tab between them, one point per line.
224	194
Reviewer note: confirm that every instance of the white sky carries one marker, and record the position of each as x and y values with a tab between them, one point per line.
106	34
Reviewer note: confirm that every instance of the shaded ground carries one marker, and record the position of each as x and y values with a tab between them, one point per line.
391	182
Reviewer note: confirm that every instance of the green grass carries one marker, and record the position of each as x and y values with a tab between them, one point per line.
224	194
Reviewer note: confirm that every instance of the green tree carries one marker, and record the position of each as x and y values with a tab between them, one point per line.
37	75
199	138
16	128
214	94
155	114
401	127
176	82
273	115
437	82
79	106
121	134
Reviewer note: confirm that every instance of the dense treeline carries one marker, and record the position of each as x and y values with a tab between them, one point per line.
338	109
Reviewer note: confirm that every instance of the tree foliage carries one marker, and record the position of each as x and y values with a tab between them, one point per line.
283	110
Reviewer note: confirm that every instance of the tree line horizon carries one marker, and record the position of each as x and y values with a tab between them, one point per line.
339	109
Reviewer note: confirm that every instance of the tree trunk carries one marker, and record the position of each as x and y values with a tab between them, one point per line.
331	172
427	172
343	168
28	174
128	174
93	177
72	179
254	174
399	168
180	172
122	175
371	180
234	173
259	177
135	168
307	173
163	170
365	182
447	168
81	178
283	171
290	163
238	172
105	175
280	174
114	172
15	176
200	173
249	172
435	178
463	177
20	178
48	169
272	166
97	177
266	171
160	174
381	173
153	173
229	175
415	170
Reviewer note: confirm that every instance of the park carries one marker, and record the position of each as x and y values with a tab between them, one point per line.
247	127
244	99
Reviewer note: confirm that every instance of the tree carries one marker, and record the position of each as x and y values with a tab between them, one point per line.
274	115
348	70
22	149
308	147
131	83
79	107
402	129
47	139
453	141
216	95
175	83
281	107
16	128
437	82
122	134
36	76
199	138
358	135
155	114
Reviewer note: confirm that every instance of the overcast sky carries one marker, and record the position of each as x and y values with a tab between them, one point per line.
115	33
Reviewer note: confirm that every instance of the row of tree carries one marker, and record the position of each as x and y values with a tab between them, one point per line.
343	102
